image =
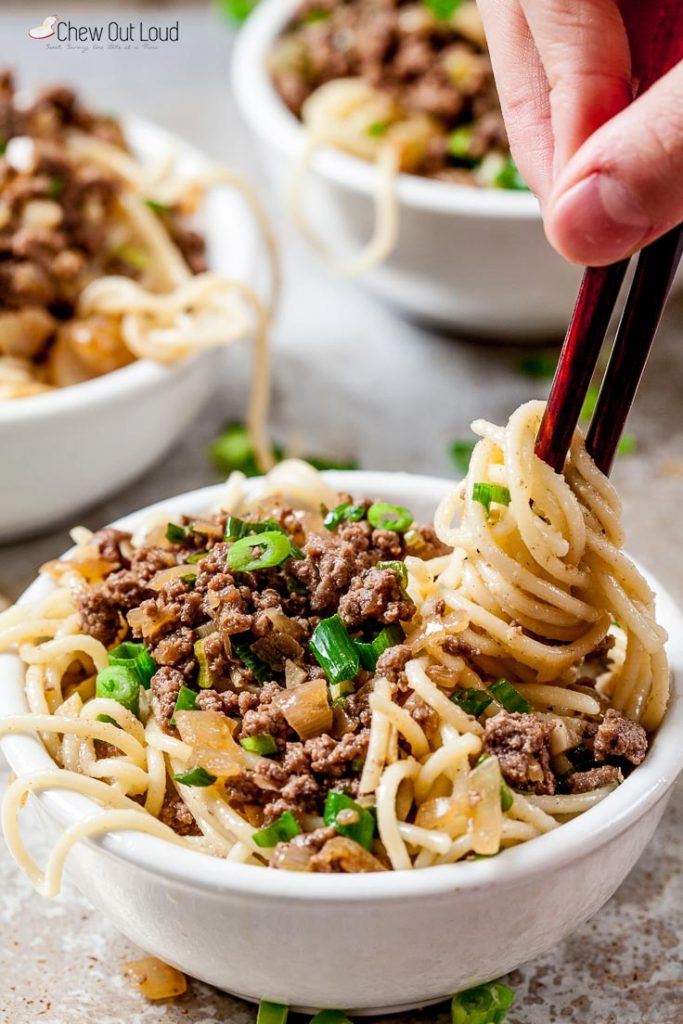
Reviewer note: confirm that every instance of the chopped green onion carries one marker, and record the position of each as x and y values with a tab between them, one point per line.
339	692
389	517
237	10
131	255
204	677
233	450
459	141
461	453
56	187
156	206
506	797
370	652
538	366
197	556
589	403
399	568
135	657
485	1004
377	129
259	668
3	146
108	720
486	493
176	534
116	682
195	777
346	513
263	744
472	701
186	701
349	818
282	830
317	14
509	177
627	444
442	9
271	1013
334	650
237	529
511	699
319	462
277	548
330	1017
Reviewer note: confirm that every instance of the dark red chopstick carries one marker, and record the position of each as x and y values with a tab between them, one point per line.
647	297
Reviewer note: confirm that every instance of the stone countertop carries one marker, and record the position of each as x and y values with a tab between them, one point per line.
360	383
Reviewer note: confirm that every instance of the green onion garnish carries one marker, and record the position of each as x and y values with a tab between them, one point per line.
472	701
236	529
263	744
131	255
204	676
156	206
334	650
461	453
282	830
233	450
486	493
271	1013
116	682
398	567
108	720
389	517
259	668
511	699
589	403
627	444
349	818
377	129
176	534
196	777
442	9
56	187
3	146
321	463
135	657
197	556
459	141
276	546
186	701
506	798
509	177
370	652
538	366
485	1004
346	513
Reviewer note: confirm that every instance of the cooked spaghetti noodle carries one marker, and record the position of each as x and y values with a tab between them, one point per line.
342	690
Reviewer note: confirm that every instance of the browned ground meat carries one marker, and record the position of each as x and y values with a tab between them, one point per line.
618	736
521	742
99	616
176	815
431	67
375	595
584	782
165	687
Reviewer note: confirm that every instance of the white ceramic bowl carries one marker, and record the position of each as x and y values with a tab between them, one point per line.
473	259
367	943
67	449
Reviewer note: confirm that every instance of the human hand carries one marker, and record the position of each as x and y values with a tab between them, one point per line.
608	171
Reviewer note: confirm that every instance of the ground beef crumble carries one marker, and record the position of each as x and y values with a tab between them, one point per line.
521	742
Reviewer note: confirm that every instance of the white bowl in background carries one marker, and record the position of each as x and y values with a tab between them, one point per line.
373	943
467	258
67	449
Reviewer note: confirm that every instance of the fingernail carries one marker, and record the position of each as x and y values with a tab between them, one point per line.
599	219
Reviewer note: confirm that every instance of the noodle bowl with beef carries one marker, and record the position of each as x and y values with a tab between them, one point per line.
313	682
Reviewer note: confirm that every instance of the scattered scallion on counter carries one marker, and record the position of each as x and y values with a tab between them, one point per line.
627	444
511	699
282	830
116	682
390	517
195	777
486	493
176	534
538	365
136	657
485	1004
461	452
276	549
589	403
262	744
349	818
370	652
472	701
233	450
334	650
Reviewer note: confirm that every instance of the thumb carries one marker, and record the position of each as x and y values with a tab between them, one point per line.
624	187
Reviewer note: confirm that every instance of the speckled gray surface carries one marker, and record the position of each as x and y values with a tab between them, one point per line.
350	380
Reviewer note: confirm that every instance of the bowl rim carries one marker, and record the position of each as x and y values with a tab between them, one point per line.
269	118
576	839
142	374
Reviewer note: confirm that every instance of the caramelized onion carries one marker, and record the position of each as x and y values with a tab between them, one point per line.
210	735
342	854
207	528
285	624
276	649
147	624
155	979
291	857
295	675
435	630
160	579
307	709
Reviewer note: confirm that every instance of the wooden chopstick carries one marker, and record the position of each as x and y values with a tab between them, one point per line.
647	297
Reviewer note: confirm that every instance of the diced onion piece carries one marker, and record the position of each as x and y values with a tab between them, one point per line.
148	624
307	708
165	576
445	814
291	857
343	854
487	815
437	630
207	528
155	979
284	624
295	675
210	735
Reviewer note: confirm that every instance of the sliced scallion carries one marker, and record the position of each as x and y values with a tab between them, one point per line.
370	652
485	1004
195	777
176	534
442	9
398	567
116	682
204	676
389	517
259	668
511	699
186	701
334	650
486	493
509	177
461	453
472	701
156	206
276	547
262	744
349	818
135	657
281	831
197	556
377	129
506	797
344	513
